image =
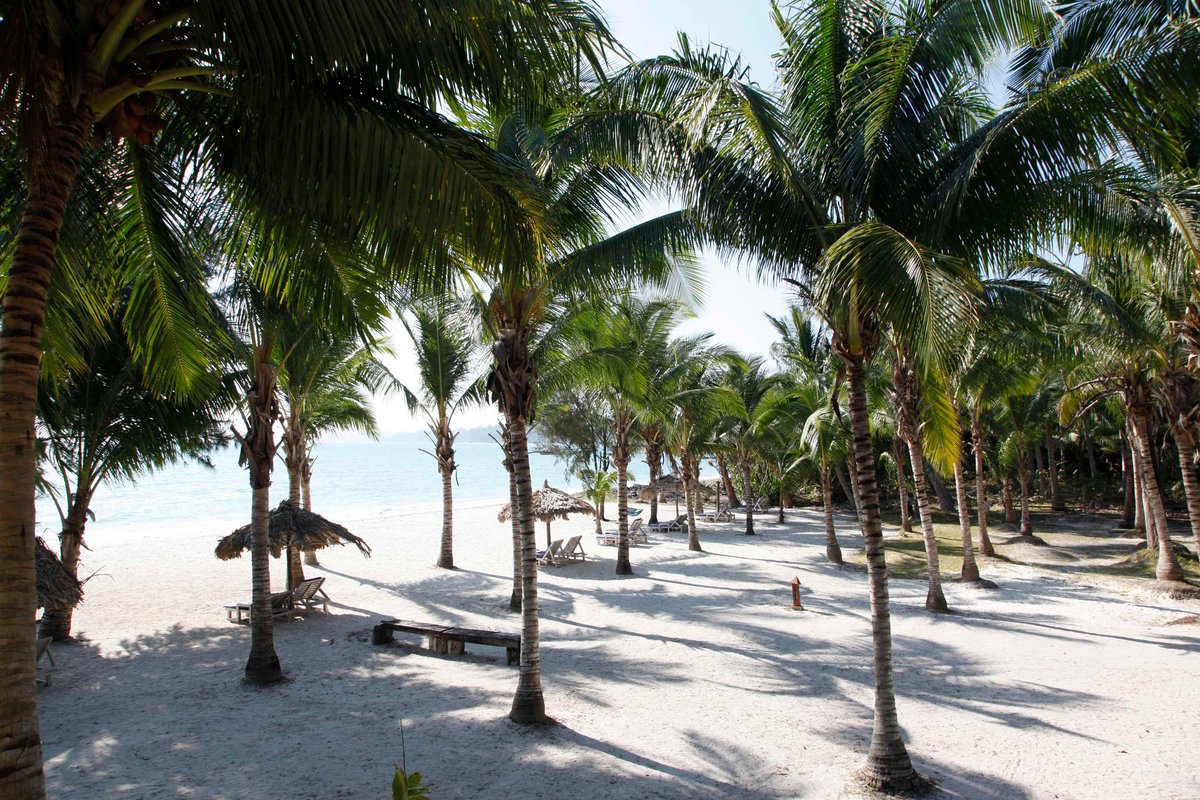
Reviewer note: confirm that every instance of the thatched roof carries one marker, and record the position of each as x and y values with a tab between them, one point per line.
550	504
55	586
291	525
666	484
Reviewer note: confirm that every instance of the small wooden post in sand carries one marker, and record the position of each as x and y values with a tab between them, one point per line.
796	594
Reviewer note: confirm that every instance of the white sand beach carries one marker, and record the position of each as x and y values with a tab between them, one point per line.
692	679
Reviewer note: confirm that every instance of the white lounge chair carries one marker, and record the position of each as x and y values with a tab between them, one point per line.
636	535
572	550
677	524
722	514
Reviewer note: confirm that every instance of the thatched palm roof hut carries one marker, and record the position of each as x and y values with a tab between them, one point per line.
291	526
551	504
56	587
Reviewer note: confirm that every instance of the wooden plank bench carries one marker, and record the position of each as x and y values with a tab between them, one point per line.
447	639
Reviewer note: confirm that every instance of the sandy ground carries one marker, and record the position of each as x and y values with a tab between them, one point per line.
692	679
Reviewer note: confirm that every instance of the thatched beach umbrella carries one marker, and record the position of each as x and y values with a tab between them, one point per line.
56	588
291	526
669	485
550	504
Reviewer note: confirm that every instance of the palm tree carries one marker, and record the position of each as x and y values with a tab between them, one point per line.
447	353
103	425
621	341
825	442
880	177
748	379
350	91
324	383
578	257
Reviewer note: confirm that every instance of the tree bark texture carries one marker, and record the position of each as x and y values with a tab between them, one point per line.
748	493
833	550
1023	475
444	452
970	570
654	467
1128	487
56	620
1056	499
1040	471
723	467
50	174
621	426
1185	445
258	453
688	488
945	501
888	767
1168	568
529	704
901	486
981	499
1010	512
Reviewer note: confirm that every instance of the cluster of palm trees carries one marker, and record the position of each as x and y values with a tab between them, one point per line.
212	208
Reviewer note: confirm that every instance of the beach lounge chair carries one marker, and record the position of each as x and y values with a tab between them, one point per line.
722	514
677	524
550	554
637	535
572	550
43	649
302	599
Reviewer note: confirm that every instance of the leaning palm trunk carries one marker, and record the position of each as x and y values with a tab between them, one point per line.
654	466
906	392
855	489
748	492
981	498
258	452
935	600
970	570
51	175
56	620
514	600
1128	489
901	487
833	551
1168	568
888	766
1186	446
723	468
293	449
310	556
688	484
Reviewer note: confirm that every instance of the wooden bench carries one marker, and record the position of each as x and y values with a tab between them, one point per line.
449	640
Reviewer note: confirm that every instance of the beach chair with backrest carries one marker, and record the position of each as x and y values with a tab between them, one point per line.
550	554
309	595
676	524
572	550
637	535
722	514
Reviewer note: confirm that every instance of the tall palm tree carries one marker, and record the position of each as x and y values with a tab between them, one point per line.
577	257
350	90
622	340
447	349
825	442
749	380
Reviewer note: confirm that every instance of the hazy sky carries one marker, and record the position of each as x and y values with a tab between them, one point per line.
735	302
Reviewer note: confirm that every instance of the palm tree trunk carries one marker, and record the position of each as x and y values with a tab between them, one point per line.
1023	475
529	705
723	467
621	463
1040	470
1093	470
698	506
945	501
1186	448
855	489
446	552
901	486
310	556
693	536
295	570
981	498
654	465
1056	498
888	766
970	570
833	551
514	600
748	491
52	169
258	445
1010	513
1168	568
1141	521
785	497
935	600
56	620
1128	487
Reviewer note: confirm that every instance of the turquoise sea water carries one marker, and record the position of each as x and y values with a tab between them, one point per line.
351	480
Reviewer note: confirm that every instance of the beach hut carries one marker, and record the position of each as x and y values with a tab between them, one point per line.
291	526
56	587
551	504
